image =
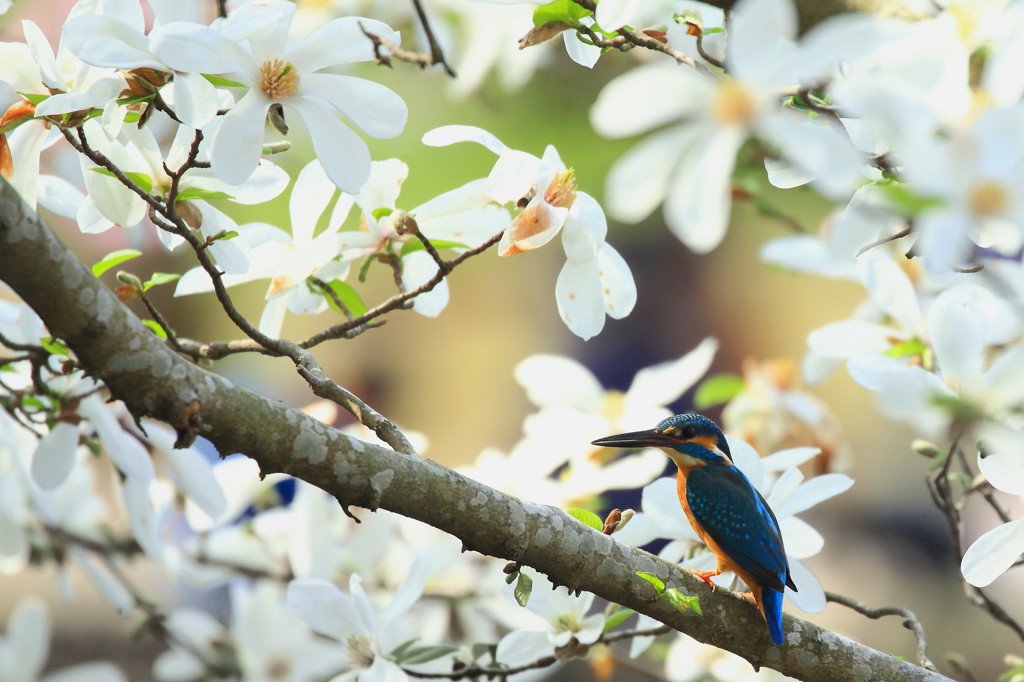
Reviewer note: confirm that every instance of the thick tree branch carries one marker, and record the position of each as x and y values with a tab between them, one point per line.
812	12
140	369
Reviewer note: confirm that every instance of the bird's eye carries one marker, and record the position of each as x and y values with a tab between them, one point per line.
688	432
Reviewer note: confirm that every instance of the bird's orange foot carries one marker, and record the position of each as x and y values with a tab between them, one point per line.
748	595
706	576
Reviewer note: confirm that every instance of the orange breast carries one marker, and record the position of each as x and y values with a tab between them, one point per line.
724	563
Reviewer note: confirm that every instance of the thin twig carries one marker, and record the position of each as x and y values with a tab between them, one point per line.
906	232
910	622
436	53
379	44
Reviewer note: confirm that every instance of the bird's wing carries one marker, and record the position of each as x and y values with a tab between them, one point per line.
737	518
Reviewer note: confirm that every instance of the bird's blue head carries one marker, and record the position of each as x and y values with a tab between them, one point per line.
689	439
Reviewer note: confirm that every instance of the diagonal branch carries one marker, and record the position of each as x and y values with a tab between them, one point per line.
152	380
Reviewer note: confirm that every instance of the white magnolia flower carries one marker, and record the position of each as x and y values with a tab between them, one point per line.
564	617
689	165
787	495
369	637
291	75
595	280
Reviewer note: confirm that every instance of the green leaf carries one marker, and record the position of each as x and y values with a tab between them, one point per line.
349	296
587	518
35	99
135	99
906	201
379	213
199	193
652	579
481	649
159	278
217	80
615	619
417	245
157	329
523	588
34	403
144	182
566	11
718	389
113	259
709	31
424	654
906	349
223	235
682	602
53	346
399	651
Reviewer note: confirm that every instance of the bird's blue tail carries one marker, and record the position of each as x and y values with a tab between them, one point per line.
771	602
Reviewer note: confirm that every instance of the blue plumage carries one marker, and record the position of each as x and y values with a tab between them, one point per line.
724	508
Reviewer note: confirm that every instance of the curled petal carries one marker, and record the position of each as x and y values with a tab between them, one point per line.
580	303
993	553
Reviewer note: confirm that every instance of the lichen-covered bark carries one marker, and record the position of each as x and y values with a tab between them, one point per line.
140	369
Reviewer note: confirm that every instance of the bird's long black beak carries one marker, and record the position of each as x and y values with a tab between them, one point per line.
637	439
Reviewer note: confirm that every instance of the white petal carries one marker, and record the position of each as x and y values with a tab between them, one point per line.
197	479
789	481
109	586
195	99
617	283
663	383
28	635
312	192
1004	470
846	338
759	33
323	607
746	459
818	489
819	150
784	175
195	48
681	91
14	549
383	186
534	227
55	456
108	41
59	196
126	452
585	229
993	553
238	143
272	318
558	380
448	135
809	598
340	41
418	268
661	503
342	153
523	646
700	196
373	108
142	515
957	330
98	671
582	53
793	457
580	303
408	592
801	539
613	14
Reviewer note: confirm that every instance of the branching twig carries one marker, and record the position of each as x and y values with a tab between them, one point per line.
910	622
436	53
418	58
906	232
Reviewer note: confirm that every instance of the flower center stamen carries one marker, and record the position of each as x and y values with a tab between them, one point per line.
988	198
734	104
360	651
561	191
278	79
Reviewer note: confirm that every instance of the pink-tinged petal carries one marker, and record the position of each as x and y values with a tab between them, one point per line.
613	14
814	491
665	382
668	92
809	597
195	99
585	229
195	48
54	456
238	143
340	41
108	41
417	269
535	226
699	198
373	108
309	198
617	283
323	607
555	380
99	93
578	294
638	181
343	154
993	553
448	135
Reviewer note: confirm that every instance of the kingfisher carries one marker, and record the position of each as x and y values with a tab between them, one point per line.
724	508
